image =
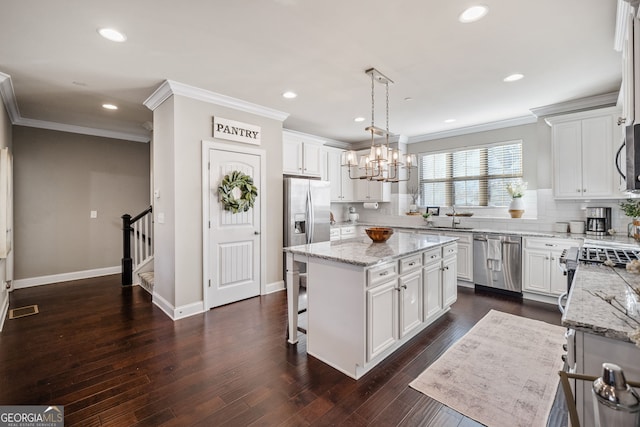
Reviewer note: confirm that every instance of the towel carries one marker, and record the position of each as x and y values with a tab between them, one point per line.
494	254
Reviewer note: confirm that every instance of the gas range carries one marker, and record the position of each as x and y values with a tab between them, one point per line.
619	255
597	253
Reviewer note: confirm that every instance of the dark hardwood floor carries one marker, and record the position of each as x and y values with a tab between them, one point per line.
112	358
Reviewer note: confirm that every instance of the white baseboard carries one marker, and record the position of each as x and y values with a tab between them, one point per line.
275	287
177	313
65	277
3	311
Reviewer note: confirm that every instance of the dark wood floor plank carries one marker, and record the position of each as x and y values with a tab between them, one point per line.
114	359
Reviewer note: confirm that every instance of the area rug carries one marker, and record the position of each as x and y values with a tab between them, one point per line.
503	372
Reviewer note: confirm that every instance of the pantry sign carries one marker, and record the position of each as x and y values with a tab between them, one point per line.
236	131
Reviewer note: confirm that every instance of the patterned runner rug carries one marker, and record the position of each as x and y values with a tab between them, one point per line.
503	372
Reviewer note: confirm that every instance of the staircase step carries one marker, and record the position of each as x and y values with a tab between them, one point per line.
146	280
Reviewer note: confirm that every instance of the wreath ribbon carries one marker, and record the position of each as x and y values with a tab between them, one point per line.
248	192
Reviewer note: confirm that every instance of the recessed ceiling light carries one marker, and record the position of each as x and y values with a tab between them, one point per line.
513	77
289	95
111	34
450	120
472	14
359	119
109	107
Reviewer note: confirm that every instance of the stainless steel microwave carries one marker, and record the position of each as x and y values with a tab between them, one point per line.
632	143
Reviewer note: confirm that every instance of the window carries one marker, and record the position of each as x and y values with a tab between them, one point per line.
475	177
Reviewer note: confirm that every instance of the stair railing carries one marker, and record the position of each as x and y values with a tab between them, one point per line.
140	228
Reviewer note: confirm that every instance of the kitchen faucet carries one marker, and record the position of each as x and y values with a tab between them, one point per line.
453	216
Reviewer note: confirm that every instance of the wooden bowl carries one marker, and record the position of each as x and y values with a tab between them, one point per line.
379	234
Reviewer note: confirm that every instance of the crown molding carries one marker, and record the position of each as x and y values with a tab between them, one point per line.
9	97
516	121
170	87
588	103
62	127
579	115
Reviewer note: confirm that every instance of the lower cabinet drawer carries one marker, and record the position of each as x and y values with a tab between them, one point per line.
411	263
449	250
382	273
433	255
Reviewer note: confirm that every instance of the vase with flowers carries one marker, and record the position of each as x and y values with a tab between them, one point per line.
516	191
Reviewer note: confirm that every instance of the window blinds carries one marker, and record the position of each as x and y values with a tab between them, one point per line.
470	177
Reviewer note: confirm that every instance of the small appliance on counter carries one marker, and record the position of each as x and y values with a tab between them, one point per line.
353	216
598	221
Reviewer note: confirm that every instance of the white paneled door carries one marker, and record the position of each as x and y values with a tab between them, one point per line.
234	238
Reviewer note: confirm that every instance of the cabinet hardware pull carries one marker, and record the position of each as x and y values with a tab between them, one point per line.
384	273
584	190
552	259
404	286
411	264
546	257
433	256
549	244
578	190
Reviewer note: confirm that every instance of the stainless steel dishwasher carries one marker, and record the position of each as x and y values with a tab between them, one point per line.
497	262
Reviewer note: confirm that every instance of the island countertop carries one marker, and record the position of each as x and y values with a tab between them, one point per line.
362	251
588	308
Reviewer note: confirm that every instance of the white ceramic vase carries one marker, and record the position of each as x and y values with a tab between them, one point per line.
516	207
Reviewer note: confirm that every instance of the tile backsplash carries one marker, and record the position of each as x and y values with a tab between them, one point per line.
542	211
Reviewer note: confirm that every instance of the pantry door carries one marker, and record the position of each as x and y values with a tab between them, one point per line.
233	261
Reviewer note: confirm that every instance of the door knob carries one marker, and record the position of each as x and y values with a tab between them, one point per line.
256	232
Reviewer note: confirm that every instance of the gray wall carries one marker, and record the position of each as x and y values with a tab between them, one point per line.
59	178
180	125
536	148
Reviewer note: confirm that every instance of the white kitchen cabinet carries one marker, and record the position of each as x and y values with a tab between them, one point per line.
334	234
394	303
302	155
342	187
372	191
465	255
410	289
584	154
449	275
382	317
432	283
541	272
440	283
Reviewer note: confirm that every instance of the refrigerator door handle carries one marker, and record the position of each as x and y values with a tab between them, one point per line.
309	218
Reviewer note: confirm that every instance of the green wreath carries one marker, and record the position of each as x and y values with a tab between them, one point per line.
248	192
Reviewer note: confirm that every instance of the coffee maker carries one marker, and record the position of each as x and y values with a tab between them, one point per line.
598	221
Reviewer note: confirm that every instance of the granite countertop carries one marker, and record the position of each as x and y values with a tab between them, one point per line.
617	238
586	311
362	251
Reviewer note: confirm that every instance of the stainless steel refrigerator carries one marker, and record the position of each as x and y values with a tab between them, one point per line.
306	211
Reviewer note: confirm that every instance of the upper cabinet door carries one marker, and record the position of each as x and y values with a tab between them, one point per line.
584	154
567	150
291	156
303	155
597	164
312	159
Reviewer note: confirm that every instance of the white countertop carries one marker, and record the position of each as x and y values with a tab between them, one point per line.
587	309
363	252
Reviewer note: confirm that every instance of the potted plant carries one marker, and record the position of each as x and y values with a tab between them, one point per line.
631	208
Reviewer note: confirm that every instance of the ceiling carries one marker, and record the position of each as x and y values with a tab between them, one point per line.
62	71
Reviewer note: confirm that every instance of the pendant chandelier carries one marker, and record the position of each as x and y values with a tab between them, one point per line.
382	163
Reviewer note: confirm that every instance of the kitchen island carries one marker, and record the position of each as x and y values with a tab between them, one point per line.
603	310
365	299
